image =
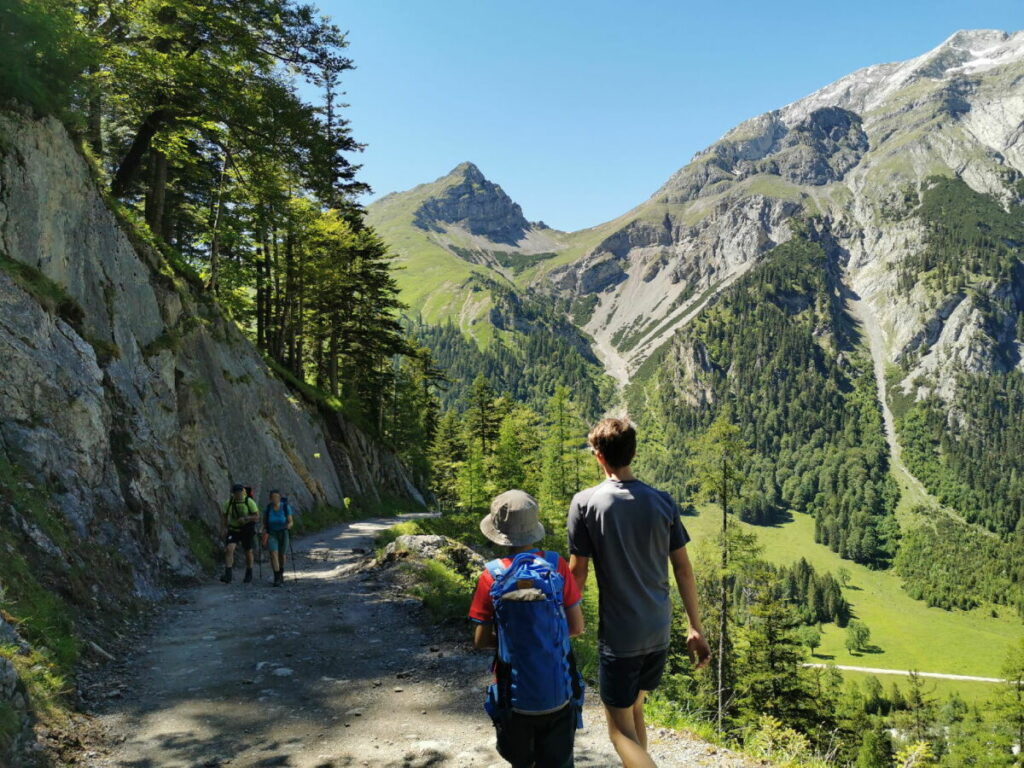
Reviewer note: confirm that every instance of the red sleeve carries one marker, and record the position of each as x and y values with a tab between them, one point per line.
482	607
571	592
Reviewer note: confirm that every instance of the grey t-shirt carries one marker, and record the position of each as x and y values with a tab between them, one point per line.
628	528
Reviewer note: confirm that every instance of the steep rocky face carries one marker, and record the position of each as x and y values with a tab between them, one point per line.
850	156
478	205
134	400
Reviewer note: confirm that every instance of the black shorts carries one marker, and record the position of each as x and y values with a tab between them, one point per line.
544	741
623	677
246	536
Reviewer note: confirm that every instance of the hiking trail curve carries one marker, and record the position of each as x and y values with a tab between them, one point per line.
336	669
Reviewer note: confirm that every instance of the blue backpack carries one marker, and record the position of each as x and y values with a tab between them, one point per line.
534	666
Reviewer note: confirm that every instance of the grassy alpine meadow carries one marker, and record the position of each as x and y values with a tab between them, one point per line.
906	632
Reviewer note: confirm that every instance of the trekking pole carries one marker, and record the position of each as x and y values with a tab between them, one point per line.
291	550
259	553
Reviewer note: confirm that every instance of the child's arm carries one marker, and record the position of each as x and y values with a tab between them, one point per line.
699	649
484	637
574	616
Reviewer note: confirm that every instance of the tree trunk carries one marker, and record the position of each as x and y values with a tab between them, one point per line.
218	210
261	298
723	607
332	363
128	170
94	131
156	200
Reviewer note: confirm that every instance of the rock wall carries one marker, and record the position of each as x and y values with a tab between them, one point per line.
133	398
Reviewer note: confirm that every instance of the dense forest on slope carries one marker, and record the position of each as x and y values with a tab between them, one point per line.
970	456
534	351
778	351
968	235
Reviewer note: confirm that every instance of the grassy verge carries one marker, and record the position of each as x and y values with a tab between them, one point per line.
35	597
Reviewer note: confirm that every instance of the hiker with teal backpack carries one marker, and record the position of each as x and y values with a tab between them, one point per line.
277	524
527	606
238	524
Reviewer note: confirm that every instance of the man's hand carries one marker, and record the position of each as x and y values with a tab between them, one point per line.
698	648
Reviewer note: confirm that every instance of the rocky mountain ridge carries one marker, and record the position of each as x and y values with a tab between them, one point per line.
850	156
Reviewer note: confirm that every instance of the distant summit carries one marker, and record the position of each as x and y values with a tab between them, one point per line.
467	199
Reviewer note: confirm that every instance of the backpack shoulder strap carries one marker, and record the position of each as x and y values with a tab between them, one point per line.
496	568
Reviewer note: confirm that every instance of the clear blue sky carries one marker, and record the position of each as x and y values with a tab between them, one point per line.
581	109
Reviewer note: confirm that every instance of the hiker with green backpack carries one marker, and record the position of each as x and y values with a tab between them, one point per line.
277	525
527	606
238	525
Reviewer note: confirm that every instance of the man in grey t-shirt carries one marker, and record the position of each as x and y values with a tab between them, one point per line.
632	532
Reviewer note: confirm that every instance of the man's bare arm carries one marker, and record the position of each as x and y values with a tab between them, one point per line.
579	566
698	646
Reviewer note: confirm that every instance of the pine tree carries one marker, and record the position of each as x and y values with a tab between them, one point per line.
768	667
717	464
447	454
561	452
1010	702
875	749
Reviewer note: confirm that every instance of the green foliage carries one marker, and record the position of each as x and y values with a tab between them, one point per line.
1010	702
773	742
951	564
42	54
445	594
968	234
528	366
202	543
51	296
857	636
973	466
777	348
10	725
875	750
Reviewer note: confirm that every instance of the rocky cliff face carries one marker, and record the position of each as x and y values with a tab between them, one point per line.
480	206
129	395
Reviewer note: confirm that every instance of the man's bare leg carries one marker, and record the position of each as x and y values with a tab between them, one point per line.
622	732
638	719
229	555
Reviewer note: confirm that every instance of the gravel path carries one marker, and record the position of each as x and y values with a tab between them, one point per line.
336	669
905	672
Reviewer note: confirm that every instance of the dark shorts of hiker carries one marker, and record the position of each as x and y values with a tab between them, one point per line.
543	741
623	677
246	536
277	541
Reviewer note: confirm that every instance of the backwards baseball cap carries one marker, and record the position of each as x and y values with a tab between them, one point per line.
513	520
237	487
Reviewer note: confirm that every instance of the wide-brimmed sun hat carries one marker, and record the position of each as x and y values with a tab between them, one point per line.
513	520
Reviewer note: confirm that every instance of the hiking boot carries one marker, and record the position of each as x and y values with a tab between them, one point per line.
226	578
278	578
248	576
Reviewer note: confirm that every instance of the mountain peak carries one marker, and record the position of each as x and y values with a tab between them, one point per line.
468	199
466	170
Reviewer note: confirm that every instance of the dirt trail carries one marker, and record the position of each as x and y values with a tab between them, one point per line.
335	669
906	672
